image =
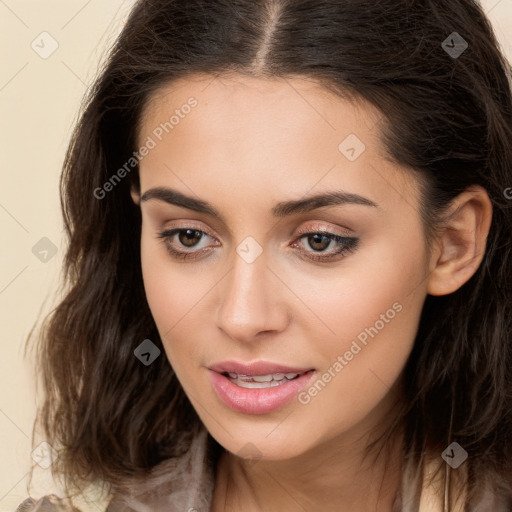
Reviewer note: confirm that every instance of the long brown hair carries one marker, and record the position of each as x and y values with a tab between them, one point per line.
447	115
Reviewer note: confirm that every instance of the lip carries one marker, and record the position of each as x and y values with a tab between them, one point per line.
257	400
255	368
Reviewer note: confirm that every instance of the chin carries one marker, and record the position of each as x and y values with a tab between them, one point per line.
270	441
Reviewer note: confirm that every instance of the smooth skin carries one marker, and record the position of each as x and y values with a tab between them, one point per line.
249	144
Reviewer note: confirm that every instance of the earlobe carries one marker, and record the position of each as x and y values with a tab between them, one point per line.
462	242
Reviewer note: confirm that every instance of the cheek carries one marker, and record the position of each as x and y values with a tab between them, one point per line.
170	289
166	293
360	372
372	308
160	290
174	295
378	288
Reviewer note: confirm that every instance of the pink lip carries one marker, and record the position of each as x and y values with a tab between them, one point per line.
262	400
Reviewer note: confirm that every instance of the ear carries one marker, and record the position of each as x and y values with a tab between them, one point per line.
135	195
460	246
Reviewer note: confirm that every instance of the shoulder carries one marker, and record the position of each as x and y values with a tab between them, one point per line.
49	503
183	483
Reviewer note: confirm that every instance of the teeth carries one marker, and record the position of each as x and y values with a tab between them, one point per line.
262	378
256	385
261	381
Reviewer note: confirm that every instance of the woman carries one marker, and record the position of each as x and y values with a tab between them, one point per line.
289	263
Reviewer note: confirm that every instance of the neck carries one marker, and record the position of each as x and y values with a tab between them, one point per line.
333	476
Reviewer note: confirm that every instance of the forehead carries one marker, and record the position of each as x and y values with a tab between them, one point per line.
232	98
266	133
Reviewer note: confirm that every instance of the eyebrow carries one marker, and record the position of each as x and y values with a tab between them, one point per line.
282	209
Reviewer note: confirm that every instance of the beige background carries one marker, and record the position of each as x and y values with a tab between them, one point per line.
39	100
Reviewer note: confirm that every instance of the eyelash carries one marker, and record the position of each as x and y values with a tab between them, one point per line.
346	244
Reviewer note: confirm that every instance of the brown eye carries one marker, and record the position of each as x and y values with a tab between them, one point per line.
189	237
318	241
182	238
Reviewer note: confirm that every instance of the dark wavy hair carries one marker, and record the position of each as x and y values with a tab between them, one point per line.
447	117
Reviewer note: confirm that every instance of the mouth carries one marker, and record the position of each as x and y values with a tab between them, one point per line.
257	388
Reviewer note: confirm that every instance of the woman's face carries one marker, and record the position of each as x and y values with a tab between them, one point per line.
234	280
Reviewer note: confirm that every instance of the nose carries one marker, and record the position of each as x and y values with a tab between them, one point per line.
253	301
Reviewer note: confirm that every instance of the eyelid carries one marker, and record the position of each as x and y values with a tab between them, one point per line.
322	227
